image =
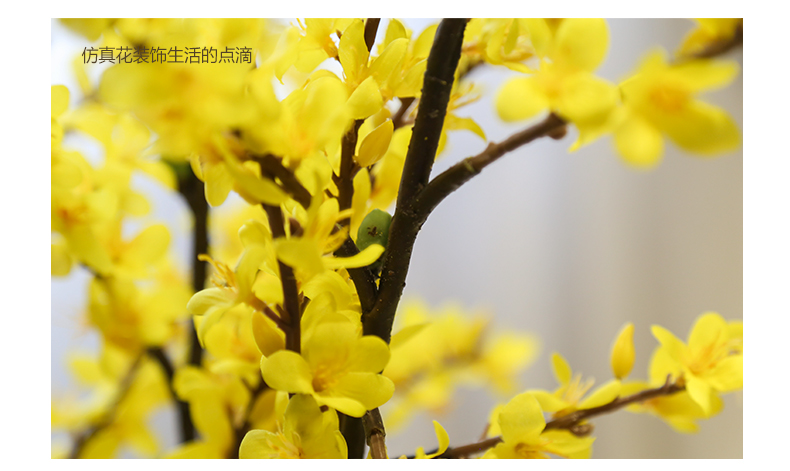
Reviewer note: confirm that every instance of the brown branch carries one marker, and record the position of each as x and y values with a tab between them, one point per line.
108	418
720	47
184	415
375	434
363	278
193	191
371	27
345	182
399	118
246	426
291	312
437	85
272	166
573	420
460	173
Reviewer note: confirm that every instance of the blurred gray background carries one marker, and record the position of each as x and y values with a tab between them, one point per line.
566	246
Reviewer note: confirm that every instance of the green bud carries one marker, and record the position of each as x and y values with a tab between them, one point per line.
374	229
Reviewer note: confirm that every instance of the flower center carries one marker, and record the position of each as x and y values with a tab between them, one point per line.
669	98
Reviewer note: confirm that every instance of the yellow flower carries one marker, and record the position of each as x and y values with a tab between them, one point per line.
306	253
522	425
711	361
306	433
232	287
564	84
570	396
217	404
128	420
678	410
337	367
660	100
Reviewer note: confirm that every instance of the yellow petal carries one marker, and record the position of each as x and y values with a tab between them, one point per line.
301	254
442	437
702	128
371	355
218	183
586	98
255	445
604	394
205	299
548	401
287	371
352	51
521	98
562	371
639	143
375	144
362	259
268	338
727	375
709	329
359	201
366	99
700	392
149	245
581	43
674	347
61	260
623	353
705	74
521	420
59	100
386	68
412	81
369	389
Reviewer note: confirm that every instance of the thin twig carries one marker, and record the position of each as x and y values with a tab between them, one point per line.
721	47
452	178
272	165
572	420
107	419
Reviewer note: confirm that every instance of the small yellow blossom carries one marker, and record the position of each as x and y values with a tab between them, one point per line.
337	367
711	361
306	433
522	425
660	100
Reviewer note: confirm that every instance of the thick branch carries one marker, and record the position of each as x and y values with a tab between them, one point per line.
460	173
436	88
437	85
354	433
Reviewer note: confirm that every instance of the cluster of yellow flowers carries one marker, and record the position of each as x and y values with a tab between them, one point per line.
290	363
